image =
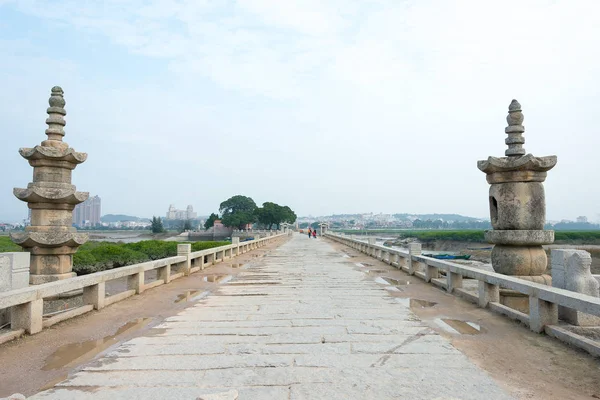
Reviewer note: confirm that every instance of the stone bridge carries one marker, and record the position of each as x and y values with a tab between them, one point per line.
306	320
328	318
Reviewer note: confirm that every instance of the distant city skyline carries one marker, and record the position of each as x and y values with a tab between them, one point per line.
89	212
179	214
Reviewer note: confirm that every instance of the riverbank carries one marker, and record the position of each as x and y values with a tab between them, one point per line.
475	236
472	243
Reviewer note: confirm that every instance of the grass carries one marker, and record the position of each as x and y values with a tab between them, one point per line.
100	256
564	237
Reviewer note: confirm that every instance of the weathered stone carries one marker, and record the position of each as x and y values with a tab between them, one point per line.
571	271
518	205
16	396
14	271
228	395
323	333
521	237
51	198
519	260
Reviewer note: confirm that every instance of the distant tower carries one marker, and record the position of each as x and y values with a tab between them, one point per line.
171	212
51	197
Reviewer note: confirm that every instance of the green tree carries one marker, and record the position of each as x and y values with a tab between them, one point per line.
185	225
210	222
289	216
157	225
238	211
269	214
273	214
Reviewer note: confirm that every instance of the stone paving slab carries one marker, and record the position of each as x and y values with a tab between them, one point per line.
301	323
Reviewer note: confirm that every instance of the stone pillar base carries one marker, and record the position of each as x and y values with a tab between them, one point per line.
541	279
39	279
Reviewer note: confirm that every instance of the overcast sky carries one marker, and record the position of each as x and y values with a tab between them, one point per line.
328	106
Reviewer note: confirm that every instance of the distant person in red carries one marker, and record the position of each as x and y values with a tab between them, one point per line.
315	233
310	231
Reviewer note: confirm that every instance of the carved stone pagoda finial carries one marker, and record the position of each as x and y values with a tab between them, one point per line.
56	119
51	197
514	130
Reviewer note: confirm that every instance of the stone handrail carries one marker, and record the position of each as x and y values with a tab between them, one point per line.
27	304
543	300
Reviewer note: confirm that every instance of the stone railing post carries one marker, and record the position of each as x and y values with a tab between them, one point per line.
136	282
27	316
164	274
95	295
541	313
371	250
236	242
414	249
488	293
453	281
185	249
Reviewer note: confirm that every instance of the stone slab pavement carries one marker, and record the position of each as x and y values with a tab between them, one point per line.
301	323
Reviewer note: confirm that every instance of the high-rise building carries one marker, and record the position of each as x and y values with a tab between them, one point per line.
88	213
188	213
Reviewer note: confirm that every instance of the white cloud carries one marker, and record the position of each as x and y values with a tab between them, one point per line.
420	87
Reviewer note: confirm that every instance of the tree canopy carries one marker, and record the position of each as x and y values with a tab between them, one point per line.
157	225
273	214
238	211
210	222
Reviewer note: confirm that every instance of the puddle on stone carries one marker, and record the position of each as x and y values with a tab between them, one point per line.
382	281
396	282
186	296
217	278
415	303
68	353
375	272
458	327
53	383
392	289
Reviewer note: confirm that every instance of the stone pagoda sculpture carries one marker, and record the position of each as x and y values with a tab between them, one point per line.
518	205
51	239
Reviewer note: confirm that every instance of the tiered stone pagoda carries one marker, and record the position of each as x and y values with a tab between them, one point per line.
51	239
518	205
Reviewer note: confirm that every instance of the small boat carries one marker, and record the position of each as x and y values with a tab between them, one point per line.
448	256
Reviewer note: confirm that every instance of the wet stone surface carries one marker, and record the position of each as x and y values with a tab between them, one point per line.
303	323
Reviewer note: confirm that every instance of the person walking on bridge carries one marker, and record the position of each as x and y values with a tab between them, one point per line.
309	232
315	234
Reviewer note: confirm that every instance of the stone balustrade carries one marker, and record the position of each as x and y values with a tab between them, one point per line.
544	301
26	305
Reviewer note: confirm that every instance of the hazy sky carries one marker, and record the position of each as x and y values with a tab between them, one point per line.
323	105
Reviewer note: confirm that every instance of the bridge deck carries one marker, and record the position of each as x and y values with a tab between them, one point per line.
300	323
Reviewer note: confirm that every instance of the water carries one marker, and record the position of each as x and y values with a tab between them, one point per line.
396	282
456	326
68	353
186	296
218	278
415	303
